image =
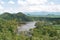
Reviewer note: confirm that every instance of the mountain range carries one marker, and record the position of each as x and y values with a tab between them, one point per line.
41	13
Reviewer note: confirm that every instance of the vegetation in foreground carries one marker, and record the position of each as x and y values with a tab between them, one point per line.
45	29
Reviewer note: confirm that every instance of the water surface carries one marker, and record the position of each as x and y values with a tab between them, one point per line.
27	26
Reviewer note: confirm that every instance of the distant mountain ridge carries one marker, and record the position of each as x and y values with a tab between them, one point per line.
42	13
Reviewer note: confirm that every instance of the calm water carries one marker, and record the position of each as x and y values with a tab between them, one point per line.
27	26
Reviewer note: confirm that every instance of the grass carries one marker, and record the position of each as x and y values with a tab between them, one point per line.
57	27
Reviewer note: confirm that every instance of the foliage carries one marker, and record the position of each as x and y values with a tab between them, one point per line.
45	27
45	31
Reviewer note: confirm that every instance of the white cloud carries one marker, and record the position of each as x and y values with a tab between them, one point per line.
1	2
32	2
50	8
37	5
36	1
11	2
1	7
22	3
51	3
32	6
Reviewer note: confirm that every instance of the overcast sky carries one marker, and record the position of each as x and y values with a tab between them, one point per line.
29	5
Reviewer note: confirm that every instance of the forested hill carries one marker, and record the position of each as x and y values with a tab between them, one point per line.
46	28
17	16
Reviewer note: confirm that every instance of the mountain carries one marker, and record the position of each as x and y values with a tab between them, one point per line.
41	13
18	16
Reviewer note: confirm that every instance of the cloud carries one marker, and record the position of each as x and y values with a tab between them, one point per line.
32	2
38	5
22	3
49	8
11	2
1	2
1	7
36	2
52	3
32	6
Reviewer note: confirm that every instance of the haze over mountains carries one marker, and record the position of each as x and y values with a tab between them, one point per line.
42	13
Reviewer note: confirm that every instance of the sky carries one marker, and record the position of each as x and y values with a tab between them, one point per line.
29	6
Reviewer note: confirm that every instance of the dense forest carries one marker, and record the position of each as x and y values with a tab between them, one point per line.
47	28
